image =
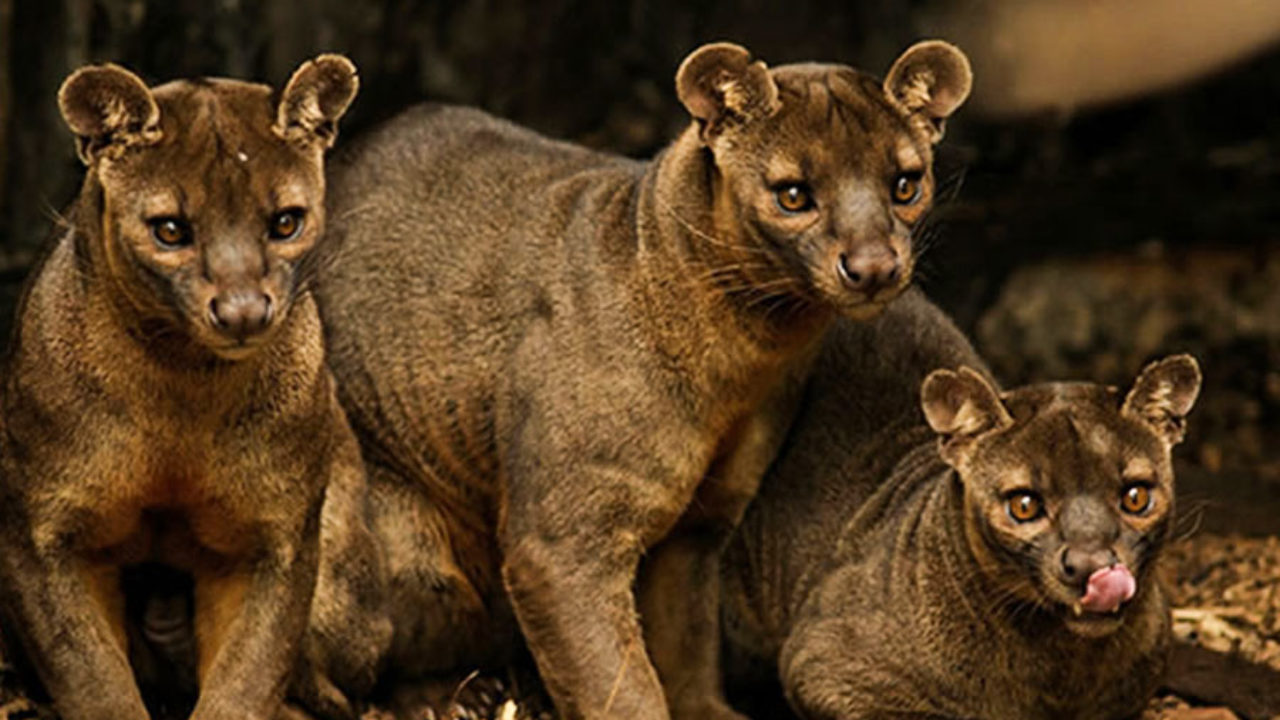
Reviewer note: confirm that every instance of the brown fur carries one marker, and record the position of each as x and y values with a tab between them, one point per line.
879	572
561	363
145	420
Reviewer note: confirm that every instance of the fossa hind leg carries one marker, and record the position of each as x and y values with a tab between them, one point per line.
392	604
349	630
441	590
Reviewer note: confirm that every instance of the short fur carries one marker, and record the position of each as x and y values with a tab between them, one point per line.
561	362
879	574
142	425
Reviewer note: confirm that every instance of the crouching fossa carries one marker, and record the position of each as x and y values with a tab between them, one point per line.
997	553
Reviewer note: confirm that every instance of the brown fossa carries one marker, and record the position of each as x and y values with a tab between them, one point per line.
928	547
166	398
569	370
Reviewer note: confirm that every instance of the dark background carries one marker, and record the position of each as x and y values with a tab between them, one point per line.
1078	242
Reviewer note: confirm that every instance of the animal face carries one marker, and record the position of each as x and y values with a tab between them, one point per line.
1068	488
828	170
212	196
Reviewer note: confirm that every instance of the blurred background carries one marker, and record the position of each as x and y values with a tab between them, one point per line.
1111	185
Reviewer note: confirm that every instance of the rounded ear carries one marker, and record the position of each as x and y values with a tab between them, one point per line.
1163	394
719	82
315	98
960	406
109	109
929	81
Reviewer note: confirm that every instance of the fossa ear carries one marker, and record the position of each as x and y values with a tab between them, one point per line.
961	406
315	98
929	82
1163	394
109	109
720	84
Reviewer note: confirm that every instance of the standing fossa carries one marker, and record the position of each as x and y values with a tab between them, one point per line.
560	362
166	399
928	547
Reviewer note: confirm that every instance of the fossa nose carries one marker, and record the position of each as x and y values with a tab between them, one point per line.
241	313
869	270
1077	564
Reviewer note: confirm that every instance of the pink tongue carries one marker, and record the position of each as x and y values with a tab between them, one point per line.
1109	588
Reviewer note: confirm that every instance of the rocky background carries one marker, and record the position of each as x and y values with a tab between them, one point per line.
1080	238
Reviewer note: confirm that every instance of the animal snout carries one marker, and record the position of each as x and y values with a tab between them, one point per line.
1077	564
870	270
240	313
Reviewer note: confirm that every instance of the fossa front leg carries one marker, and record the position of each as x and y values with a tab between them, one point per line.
571	545
69	615
680	579
250	617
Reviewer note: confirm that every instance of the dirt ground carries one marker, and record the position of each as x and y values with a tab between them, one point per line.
1227	620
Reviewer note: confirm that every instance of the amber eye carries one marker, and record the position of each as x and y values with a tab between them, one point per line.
1024	506
171	232
286	224
794	198
906	188
1136	498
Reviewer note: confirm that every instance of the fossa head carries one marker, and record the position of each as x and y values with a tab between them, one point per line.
1068	487
210	193
826	170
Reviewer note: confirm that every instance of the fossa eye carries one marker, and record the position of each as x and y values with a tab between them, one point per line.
170	232
1135	499
286	224
1024	506
794	198
906	188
